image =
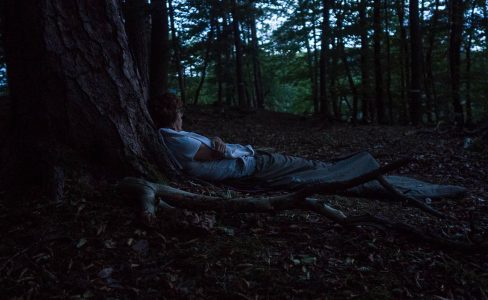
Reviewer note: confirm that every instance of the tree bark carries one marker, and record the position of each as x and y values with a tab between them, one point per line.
77	94
456	12
324	57
135	24
416	74
159	48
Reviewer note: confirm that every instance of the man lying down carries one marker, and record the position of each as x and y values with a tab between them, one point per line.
214	160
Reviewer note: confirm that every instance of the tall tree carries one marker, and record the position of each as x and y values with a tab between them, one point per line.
456	11
177	52
430	88
388	63
311	61
467	50
258	81
159	48
364	60
416	61
378	71
66	108
210	37
241	92
324	57
404	61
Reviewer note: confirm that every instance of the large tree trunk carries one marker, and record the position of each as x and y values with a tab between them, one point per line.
324	57
74	96
135	24
416	74
456	9
159	48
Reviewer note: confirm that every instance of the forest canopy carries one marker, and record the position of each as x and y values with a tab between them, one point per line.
373	61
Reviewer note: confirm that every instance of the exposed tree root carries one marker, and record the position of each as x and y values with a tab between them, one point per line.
153	196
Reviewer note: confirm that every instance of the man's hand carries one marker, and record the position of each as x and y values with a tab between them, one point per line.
218	145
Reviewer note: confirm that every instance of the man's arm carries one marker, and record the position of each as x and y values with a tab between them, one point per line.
205	153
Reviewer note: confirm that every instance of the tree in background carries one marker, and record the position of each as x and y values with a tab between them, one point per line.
378	70
292	64
415	63
324	58
456	12
366	102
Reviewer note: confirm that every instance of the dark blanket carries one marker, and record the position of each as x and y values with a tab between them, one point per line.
279	171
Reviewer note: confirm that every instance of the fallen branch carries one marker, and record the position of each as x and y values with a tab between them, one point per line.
410	201
172	198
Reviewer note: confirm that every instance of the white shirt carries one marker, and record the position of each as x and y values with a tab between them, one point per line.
238	160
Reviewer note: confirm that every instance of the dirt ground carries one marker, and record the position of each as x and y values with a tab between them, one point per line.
93	246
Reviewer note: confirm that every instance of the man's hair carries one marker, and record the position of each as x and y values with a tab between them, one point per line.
163	109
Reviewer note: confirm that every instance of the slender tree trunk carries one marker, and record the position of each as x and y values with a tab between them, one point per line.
135	25
229	61
425	89
159	48
324	55
456	12
352	86
333	97
364	61
64	104
468	45
311	71
378	71
258	82
415	45
316	63
241	87
205	64
336	102
429	74
177	52
388	64
404	61
218	64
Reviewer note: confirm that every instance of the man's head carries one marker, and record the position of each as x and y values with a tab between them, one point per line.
166	110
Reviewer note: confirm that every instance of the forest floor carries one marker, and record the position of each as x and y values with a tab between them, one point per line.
92	245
